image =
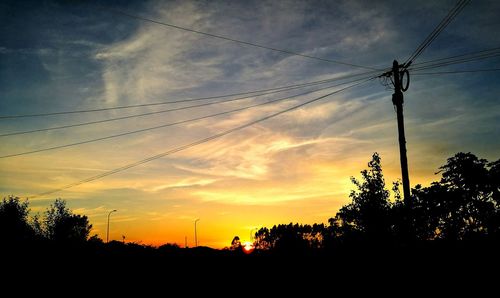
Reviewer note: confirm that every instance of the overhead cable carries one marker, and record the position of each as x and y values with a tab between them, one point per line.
196	143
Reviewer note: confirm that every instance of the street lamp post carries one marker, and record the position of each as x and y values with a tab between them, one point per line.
195	235
107	230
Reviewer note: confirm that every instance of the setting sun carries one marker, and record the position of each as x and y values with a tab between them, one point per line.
248	247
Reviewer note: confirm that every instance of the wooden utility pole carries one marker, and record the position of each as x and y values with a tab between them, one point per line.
397	100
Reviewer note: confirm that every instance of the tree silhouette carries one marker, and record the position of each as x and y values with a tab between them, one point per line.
368	216
263	239
291	237
236	243
333	234
463	204
494	181
493	223
62	225
314	235
14	223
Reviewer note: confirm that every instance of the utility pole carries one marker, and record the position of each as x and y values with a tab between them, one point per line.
397	100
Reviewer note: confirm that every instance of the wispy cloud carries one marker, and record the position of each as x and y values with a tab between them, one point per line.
294	167
189	182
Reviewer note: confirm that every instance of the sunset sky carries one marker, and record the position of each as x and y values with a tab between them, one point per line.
77	55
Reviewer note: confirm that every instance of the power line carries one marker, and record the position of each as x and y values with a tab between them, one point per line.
180	100
455	71
435	33
454	61
171	110
165	125
397	75
481	53
234	40
439	28
139	115
199	142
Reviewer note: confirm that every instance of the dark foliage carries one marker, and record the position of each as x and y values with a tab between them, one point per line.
14	224
63	226
462	205
59	223
460	210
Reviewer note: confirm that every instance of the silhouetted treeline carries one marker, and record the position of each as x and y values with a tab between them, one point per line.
462	206
58	224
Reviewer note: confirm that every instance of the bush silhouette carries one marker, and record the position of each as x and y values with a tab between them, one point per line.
61	225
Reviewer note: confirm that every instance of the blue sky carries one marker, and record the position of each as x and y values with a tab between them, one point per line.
71	55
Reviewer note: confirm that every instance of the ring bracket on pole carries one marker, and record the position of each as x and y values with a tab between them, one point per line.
405	87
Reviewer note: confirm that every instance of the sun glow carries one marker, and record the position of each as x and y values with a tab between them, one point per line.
248	247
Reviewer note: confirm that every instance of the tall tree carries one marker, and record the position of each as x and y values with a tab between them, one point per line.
367	216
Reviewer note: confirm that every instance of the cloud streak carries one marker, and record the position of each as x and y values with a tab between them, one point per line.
295	167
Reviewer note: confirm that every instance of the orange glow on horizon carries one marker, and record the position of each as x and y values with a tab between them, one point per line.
248	247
